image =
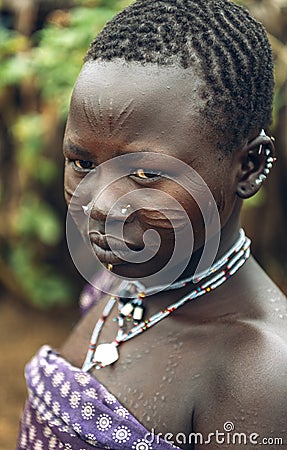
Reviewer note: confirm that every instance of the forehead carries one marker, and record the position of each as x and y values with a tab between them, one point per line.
131	103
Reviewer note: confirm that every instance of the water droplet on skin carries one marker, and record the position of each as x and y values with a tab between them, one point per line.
281	316
170	380
148	418
140	396
168	87
135	391
162	398
164	378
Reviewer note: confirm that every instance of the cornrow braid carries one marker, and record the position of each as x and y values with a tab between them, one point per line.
230	46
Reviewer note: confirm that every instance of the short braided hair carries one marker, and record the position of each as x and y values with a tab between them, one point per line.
230	46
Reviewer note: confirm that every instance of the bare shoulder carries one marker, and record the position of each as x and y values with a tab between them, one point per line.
247	388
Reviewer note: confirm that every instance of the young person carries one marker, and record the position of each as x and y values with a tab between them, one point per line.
166	136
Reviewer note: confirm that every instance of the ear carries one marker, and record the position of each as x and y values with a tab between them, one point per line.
256	161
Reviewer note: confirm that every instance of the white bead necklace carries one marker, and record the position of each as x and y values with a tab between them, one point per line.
105	354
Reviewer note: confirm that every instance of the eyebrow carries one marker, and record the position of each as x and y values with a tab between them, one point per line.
76	150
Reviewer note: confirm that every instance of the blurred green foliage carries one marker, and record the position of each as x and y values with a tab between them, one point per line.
42	67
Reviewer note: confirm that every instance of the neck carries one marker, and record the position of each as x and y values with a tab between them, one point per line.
216	275
227	257
206	256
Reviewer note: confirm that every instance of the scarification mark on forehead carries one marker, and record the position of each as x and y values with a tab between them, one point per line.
100	118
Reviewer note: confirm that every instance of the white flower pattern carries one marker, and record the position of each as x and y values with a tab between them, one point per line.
40	388
48	397
88	411
121	434
65	389
91	392
58	379
38	445
74	400
110	398
104	422
91	439
77	427
121	411
82	378
141	445
56	408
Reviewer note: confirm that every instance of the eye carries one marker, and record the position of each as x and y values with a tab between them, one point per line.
146	174
83	166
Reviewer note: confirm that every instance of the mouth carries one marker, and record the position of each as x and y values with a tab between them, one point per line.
105	247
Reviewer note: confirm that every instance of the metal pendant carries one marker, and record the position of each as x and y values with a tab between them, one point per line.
106	354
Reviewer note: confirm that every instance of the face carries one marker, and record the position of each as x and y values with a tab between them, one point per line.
136	149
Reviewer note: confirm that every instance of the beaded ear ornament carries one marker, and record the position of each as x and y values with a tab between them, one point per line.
270	160
130	304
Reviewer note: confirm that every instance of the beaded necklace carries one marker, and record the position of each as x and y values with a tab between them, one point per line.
105	354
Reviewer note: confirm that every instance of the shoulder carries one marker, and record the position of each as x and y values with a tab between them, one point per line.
247	386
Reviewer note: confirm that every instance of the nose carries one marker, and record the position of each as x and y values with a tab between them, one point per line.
106	205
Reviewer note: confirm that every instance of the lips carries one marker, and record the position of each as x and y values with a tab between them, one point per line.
104	247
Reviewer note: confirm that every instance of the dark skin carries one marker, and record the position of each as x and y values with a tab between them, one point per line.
215	360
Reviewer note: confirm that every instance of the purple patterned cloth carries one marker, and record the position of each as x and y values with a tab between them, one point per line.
69	409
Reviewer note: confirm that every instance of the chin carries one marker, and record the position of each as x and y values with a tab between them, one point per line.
129	270
139	271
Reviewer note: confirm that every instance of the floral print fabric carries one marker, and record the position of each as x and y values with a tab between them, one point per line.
69	409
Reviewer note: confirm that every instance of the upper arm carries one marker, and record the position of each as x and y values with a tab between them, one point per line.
245	400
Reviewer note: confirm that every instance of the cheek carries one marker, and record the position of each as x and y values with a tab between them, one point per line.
80	195
163	218
176	213
69	184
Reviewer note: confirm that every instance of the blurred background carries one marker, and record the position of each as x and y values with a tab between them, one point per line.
42	43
